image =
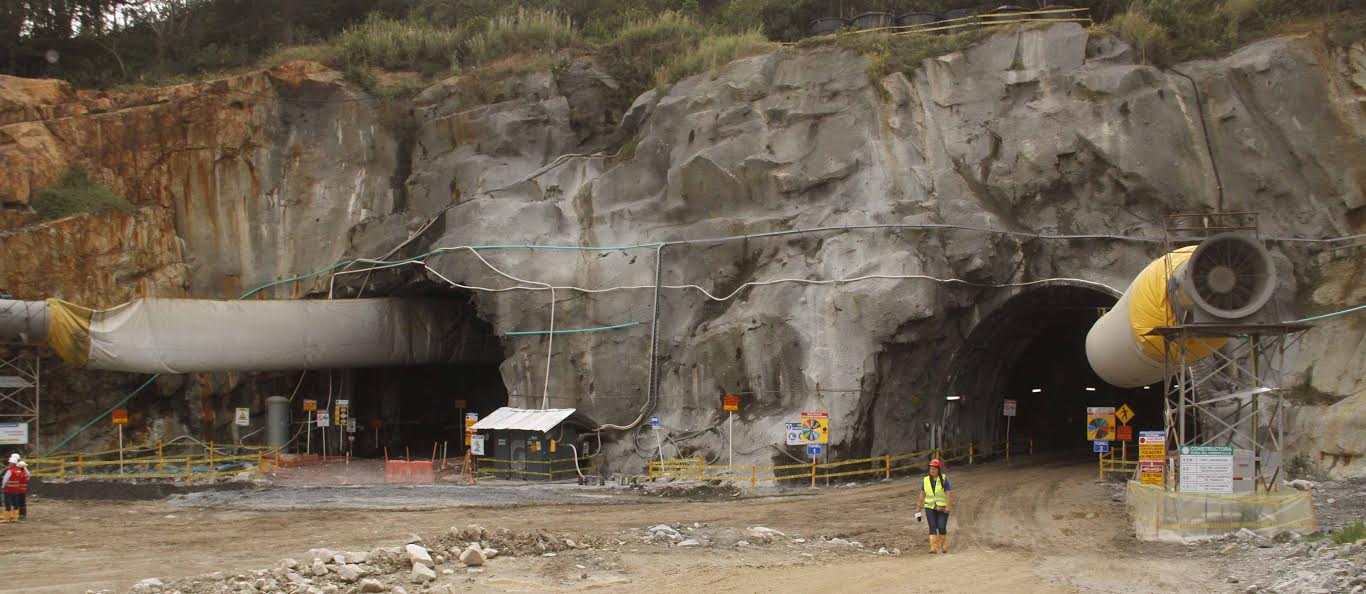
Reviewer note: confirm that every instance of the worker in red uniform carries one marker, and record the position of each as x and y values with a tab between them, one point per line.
14	484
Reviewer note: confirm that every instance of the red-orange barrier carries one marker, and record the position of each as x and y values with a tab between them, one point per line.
417	471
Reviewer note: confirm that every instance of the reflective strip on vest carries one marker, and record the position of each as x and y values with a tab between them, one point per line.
935	499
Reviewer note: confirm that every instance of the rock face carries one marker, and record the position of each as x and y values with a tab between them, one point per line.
1044	130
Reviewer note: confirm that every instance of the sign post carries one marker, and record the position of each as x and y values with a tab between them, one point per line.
731	403
1008	409
322	421
814	450
470	419
120	418
309	407
1124	432
659	444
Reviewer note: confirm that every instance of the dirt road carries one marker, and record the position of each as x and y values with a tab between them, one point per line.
1044	527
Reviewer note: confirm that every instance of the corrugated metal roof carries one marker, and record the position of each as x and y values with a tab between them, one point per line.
523	419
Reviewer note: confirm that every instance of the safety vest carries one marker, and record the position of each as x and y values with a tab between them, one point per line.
18	480
935	498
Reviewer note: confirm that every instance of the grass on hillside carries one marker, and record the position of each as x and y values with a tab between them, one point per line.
1350	533
888	53
75	193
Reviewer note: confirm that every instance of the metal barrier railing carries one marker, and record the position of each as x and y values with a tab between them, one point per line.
698	469
1108	464
131	463
491	467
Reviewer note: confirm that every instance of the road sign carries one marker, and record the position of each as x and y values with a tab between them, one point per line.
120	416
731	402
351	425
343	412
1100	423
13	433
1008	407
814	449
243	417
470	419
1100	447
816	427
310	405
1152	472
477	445
1124	433
794	434
322	419
1206	469
1124	414
460	404
1152	445
654	422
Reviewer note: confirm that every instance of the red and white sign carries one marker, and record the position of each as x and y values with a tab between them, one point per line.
120	416
731	402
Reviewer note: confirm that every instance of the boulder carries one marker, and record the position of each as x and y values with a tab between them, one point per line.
473	556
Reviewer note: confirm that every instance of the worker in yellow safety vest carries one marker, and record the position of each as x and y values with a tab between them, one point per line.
934	499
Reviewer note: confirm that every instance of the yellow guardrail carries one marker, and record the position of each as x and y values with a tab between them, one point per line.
490	467
698	469
85	466
1108	464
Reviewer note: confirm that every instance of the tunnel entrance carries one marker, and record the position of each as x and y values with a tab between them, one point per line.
1033	349
411	410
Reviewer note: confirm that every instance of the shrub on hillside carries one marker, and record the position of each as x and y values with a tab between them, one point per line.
522	31
714	51
75	193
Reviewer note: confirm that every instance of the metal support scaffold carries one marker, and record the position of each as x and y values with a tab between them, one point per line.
1227	392
20	394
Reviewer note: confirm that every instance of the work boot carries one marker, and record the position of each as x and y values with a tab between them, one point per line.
934	541
944	543
4	517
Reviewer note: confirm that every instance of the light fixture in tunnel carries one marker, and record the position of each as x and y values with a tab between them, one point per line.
1036	390
1090	389
953	397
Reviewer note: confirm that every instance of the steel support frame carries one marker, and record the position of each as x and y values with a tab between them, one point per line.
1248	362
22	403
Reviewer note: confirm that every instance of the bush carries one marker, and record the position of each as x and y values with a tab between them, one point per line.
642	47
1303	467
323	53
75	193
523	31
714	51
399	45
1350	533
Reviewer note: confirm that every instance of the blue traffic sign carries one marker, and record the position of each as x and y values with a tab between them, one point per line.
1100	447
813	449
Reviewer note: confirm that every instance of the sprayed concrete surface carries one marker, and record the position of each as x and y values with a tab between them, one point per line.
1047	527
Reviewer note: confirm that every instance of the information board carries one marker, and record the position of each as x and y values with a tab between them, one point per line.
1008	408
477	445
816	427
794	434
13	433
1206	469
1100	423
1152	445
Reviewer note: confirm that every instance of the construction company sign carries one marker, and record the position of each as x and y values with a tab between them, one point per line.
1100	423
815	427
1206	469
13	433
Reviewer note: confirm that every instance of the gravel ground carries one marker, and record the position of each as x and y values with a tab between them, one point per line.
406	497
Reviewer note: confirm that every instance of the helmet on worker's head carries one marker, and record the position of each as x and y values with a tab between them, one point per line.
13	458
935	463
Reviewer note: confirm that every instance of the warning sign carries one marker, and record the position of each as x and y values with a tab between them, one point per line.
322	419
794	434
731	402
815	427
120	416
1124	414
1124	433
1152	445
243	417
1009	407
1152	472
310	405
470	419
1100	423
477	445
343	412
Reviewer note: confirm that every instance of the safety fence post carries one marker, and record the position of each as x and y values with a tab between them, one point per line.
261	463
210	456
187	468
651	473
753	479
1102	467
813	472
887	465
970	452
161	460
702	468
62	469
1031	446
80	465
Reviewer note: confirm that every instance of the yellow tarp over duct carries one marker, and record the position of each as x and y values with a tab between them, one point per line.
1149	308
189	335
68	331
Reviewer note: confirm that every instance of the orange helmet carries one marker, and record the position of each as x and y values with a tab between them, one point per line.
935	463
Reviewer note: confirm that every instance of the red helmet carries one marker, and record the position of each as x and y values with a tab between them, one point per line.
935	463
